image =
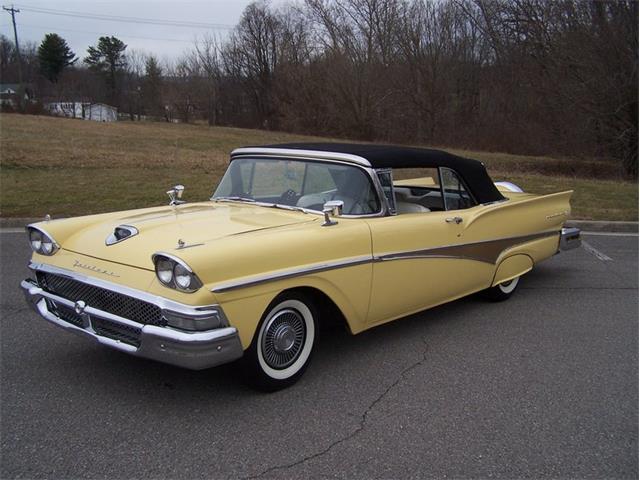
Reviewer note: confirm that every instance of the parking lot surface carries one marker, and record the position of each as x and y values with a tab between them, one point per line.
544	385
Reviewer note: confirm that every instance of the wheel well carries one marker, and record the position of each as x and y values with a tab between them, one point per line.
330	314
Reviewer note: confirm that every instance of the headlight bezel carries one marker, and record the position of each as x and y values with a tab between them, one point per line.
165	259
43	238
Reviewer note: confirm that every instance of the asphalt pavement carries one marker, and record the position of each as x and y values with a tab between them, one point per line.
544	385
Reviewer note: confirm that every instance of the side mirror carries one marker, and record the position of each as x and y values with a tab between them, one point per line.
332	208
175	194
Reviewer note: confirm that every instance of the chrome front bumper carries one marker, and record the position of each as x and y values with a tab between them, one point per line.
569	238
192	350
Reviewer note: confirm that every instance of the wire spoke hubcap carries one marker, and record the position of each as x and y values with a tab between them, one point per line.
283	339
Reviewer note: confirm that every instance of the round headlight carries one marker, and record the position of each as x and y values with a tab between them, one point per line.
35	238
182	276
47	245
174	273
164	270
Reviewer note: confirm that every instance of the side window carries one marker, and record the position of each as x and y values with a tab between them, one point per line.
456	196
386	180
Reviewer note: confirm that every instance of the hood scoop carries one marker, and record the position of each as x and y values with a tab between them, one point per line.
121	233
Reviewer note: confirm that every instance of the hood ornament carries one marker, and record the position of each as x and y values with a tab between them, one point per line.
120	233
182	244
175	194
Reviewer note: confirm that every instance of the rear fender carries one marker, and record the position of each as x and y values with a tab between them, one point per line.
512	267
522	215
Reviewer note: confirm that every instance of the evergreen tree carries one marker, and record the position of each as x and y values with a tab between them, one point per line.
108	59
54	56
152	86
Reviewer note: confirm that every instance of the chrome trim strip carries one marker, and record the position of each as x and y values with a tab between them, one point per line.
293	152
195	337
163	303
423	254
291	273
487	251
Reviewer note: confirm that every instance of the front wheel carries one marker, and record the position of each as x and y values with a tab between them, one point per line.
502	291
282	346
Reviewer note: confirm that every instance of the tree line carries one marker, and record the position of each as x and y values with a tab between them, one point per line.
522	76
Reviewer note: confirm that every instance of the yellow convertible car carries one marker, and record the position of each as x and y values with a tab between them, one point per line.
294	235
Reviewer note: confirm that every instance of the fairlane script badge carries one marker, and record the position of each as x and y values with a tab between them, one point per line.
93	269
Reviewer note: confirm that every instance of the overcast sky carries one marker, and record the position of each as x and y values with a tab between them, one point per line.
162	40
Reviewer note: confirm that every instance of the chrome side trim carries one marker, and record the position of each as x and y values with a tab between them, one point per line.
487	251
293	152
291	273
164	303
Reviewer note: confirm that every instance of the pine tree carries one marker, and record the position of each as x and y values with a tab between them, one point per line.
108	58
152	86
54	56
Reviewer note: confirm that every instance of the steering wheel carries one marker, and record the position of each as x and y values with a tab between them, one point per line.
288	197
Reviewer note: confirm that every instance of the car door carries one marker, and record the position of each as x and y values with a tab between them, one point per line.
421	259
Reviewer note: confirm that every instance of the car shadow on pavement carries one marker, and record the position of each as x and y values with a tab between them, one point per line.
336	352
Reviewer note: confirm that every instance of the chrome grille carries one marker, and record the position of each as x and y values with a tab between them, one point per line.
116	331
101	298
65	313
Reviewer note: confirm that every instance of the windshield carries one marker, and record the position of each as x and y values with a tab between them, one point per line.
298	183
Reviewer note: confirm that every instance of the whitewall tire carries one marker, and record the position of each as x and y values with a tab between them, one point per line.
283	343
503	290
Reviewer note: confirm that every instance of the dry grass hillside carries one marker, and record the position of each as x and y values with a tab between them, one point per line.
70	167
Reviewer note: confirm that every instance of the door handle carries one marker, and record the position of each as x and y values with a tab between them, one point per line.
456	220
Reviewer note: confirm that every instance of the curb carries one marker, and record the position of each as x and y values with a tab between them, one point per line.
603	226
17	222
584	225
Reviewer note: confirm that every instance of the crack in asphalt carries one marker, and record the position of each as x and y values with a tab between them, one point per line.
359	428
11	309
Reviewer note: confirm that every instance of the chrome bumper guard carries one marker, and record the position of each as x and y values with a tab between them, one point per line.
570	238
192	350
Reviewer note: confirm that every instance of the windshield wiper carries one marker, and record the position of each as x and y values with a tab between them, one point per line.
234	199
288	207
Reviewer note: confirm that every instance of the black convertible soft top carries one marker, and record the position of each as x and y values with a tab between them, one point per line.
472	172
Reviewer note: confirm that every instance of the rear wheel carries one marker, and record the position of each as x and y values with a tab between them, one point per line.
282	346
502	291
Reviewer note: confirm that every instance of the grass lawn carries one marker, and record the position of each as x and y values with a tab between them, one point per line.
71	167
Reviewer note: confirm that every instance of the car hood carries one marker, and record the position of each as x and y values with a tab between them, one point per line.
163	229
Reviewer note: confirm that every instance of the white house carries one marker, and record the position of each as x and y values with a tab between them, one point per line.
9	94
101	113
98	112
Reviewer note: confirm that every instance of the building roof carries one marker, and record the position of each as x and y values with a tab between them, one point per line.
9	86
472	172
